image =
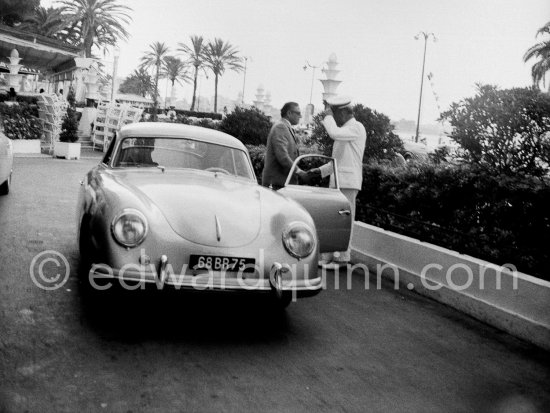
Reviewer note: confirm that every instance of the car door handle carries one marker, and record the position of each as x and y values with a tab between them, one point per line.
344	212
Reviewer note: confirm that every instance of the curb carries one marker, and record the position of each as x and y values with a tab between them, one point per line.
508	300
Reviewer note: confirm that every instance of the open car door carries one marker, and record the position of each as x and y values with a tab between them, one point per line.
329	208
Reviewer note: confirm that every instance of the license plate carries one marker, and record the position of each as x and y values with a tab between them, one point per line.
220	263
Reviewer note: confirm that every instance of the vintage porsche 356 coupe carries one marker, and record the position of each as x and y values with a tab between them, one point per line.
180	206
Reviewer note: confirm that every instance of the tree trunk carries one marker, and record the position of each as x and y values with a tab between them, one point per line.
173	93
155	98
216	94
194	88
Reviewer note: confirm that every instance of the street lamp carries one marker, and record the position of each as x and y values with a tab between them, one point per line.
116	55
312	78
244	77
426	37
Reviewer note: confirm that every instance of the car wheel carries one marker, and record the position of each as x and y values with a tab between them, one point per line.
5	187
85	247
283	301
408	156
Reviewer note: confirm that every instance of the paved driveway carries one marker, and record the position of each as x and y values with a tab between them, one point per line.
350	350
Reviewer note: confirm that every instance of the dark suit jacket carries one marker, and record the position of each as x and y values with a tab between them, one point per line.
281	151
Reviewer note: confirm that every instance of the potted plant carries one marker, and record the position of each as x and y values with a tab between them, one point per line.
67	147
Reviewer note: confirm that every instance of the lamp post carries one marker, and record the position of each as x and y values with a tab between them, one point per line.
426	37
312	78
116	55
244	77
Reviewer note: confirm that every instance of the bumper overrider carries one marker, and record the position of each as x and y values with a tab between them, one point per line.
279	279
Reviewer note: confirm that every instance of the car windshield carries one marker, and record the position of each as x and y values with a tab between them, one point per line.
182	153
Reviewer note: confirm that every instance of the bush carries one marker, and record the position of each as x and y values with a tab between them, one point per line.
19	121
257	156
497	218
69	127
381	143
503	131
249	125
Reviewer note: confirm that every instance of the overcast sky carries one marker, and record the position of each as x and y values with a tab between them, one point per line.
379	58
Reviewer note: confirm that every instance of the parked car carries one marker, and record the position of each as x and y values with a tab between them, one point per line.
6	163
415	150
179	205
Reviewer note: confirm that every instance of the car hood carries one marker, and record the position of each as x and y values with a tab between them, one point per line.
201	207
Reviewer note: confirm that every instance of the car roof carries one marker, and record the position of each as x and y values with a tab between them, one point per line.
179	130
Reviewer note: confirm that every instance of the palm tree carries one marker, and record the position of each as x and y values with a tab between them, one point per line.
155	58
176	71
540	51
139	83
195	54
98	22
220	55
45	22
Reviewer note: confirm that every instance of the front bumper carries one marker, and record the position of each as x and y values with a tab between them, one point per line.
132	277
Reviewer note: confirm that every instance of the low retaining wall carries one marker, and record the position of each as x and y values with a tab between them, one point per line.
26	145
514	302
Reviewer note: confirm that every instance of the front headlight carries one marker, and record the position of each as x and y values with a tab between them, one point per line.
129	227
299	240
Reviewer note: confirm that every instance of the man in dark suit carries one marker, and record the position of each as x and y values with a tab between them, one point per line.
282	148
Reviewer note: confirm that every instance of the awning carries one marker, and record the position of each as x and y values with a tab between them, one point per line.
36	52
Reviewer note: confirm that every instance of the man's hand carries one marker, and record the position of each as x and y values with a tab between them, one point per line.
327	112
308	177
302	175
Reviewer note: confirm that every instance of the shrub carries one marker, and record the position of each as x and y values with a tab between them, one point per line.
498	218
19	121
503	131
381	143
250	126
69	127
257	156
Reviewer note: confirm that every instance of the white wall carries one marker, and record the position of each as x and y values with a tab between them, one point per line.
514	302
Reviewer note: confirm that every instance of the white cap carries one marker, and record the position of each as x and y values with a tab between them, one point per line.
339	102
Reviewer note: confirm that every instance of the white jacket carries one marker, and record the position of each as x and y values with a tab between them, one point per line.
348	149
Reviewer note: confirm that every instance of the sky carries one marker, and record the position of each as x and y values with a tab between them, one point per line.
380	62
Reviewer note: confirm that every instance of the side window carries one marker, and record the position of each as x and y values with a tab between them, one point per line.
109	153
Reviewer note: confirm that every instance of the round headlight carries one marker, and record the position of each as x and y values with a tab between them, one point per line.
129	227
299	240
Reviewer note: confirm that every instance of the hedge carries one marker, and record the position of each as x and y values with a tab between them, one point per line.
501	219
20	121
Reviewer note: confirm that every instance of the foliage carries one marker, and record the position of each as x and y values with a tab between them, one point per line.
155	58
49	22
69	127
19	121
498	218
257	156
381	143
199	115
15	11
175	70
195	55
219	56
138	83
250	126
540	51
96	23
206	123
503	130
